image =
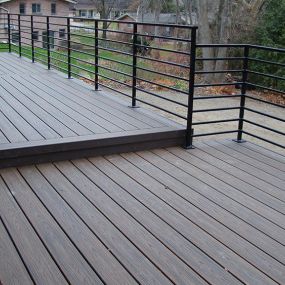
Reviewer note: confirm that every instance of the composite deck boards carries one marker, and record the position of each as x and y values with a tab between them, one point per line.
107	207
46	117
163	216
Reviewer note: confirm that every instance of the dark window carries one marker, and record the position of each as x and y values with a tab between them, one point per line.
61	33
36	8
83	13
15	37
90	14
51	39
35	35
53	8
22	8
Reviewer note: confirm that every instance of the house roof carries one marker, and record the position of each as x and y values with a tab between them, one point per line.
164	18
118	4
69	1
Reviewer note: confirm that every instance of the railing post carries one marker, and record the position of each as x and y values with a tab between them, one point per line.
134	75
9	32
32	37
96	57
19	38
48	42
243	94
68	49
191	89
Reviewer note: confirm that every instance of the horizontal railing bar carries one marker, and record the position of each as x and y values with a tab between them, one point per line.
266	75
115	50
162	85
115	80
114	70
221	45
164	49
115	90
165	38
115	31
266	88
82	68
263	139
163	74
267	48
58	67
82	76
83	27
215	133
219	71
114	60
219	58
215	110
264	114
215	122
162	61
162	109
218	84
264	101
161	97
217	97
115	41
266	61
264	127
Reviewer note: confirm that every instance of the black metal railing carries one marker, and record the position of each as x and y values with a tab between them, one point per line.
156	65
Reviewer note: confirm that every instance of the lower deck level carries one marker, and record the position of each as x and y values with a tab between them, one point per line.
209	215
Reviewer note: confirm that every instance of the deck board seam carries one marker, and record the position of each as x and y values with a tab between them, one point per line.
244	179
219	206
228	196
15	246
29	110
35	231
174	228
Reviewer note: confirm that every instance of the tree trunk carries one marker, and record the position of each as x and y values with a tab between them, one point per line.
205	37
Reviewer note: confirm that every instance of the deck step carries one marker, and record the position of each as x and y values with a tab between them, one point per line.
26	153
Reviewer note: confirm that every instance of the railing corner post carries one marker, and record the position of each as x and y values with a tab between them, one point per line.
48	42
243	94
134	74
96	56
68	49
9	32
32	39
191	86
19	37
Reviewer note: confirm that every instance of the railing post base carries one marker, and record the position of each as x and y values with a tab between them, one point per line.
239	141
189	140
134	107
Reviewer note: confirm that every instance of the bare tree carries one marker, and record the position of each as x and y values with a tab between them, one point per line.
105	7
216	21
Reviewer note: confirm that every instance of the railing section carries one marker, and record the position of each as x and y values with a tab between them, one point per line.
159	66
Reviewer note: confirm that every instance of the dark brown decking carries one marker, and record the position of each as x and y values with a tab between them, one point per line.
211	215
44	117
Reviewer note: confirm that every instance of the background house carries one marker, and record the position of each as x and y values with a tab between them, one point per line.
36	8
91	8
164	18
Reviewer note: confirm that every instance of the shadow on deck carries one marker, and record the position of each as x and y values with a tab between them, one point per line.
46	117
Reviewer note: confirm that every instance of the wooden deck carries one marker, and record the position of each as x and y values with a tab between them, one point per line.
44	116
211	215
